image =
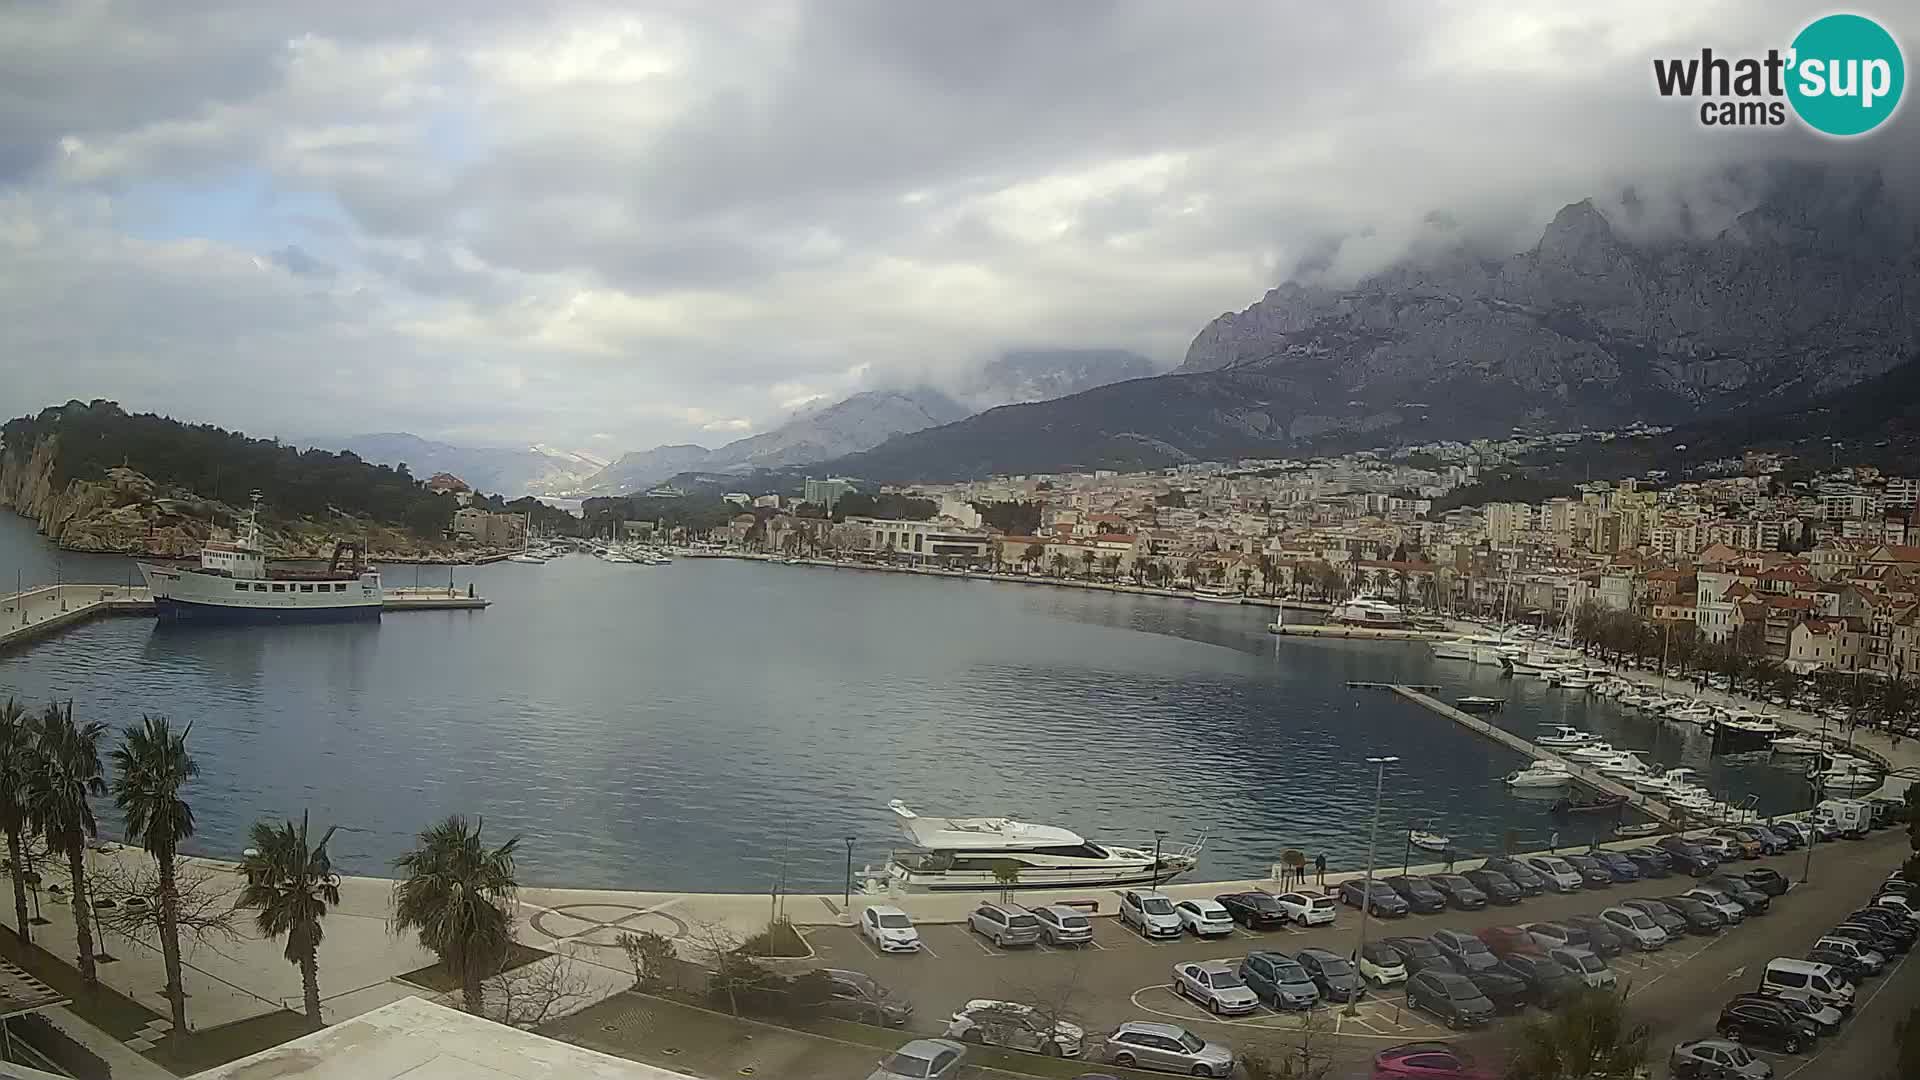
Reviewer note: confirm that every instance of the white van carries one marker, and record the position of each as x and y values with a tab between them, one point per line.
1816	982
1853	817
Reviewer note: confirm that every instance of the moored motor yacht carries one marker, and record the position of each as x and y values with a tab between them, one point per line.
1370	611
1798	746
1593	753
970	853
1540	774
1562	735
1695	713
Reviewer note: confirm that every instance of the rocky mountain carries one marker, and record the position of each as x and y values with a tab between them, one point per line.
848	426
510	470
1814	288
1020	376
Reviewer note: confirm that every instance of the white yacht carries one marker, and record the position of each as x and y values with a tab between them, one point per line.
1626	766
968	853
1540	774
1695	713
1368	611
1593	753
1798	746
1219	594
1460	648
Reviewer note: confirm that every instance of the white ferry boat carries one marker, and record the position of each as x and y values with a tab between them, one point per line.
232	585
968	853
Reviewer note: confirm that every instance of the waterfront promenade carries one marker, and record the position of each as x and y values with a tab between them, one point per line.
33	613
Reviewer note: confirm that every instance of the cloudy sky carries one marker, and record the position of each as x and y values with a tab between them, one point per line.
608	226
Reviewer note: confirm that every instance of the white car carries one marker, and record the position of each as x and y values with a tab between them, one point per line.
1016	1027
1206	918
1308	910
889	929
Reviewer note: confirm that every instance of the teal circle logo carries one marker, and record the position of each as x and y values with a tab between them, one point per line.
1847	75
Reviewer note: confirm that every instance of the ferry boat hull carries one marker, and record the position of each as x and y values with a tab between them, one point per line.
188	611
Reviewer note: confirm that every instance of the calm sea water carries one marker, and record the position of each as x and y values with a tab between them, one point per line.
713	724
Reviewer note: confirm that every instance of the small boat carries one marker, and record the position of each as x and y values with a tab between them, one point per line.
524	557
1474	703
1599	805
1633	832
1798	746
1541	774
1593	753
1368	611
1452	649
1214	594
1562	735
1428	841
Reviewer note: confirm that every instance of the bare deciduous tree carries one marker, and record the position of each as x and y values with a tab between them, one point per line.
204	897
529	996
651	955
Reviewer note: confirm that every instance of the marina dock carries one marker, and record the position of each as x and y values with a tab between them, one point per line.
1362	633
1653	808
28	616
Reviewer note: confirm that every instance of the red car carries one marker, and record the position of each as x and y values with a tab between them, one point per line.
1427	1059
1502	940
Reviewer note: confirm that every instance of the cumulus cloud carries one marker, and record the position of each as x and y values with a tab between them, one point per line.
566	222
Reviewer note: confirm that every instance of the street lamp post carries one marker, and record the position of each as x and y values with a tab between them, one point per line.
1813	792
1158	835
1366	893
846	901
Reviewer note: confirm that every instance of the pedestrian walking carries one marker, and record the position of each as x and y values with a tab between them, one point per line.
1553	840
1320	867
1449	860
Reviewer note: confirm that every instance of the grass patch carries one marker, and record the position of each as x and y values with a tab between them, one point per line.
210	1047
103	1007
777	940
436	976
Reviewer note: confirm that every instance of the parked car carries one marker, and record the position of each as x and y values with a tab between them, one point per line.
1169	1048
1005	924
1498	887
1751	900
1769	1024
922	1059
1419	895
1559	875
1385	903
1015	1026
1687	856
1907	906
1746	845
1848	964
1734	911
1062	925
1668	919
1308	910
1381	965
1602	938
1450	997
1427	1061
1552	935
857	996
1646	856
1594	874
1332	974
889	929
1889	922
1771	843
1824	1018
1255	910
1206	918
1702	917
1724	848
1279	981
1716	1059
1151	913
1866	955
1508	992
1549	982
1874	937
1767	880
1637	927
1624	870
1459	892
1797	835
1523	876
1470	951
1586	966
1504	941
1215	986
1417	953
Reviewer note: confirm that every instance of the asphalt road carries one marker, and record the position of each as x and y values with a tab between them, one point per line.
1677	991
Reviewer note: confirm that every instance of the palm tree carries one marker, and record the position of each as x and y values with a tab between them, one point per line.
1086	563
1033	554
1059	564
58	801
151	765
18	763
455	893
290	886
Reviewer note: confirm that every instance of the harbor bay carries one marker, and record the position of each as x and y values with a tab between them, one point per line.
719	725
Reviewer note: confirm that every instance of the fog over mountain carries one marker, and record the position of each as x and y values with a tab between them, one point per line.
614	226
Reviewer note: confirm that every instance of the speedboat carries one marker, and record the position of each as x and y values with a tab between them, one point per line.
1562	735
972	853
1798	746
1624	767
1427	840
1540	774
1215	594
1696	713
1474	703
1849	781
1452	649
1575	681
1593	753
1368	611
1742	732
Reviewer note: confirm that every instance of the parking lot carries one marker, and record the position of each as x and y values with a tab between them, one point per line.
1122	976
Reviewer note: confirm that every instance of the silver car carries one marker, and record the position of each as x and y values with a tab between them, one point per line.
1216	986
1062	925
1635	926
1559	873
1016	1027
1720	902
922	1059
1586	967
1005	924
1168	1047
